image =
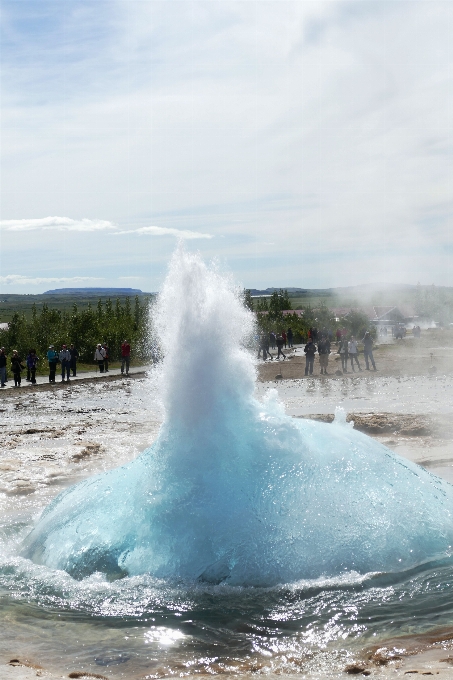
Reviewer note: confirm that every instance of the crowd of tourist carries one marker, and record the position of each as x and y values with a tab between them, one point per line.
67	357
320	342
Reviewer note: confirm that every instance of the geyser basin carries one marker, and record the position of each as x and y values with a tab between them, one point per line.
234	490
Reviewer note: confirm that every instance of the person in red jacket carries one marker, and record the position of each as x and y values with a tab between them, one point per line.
125	356
284	337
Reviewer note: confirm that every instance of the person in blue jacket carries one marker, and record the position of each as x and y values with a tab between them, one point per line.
52	358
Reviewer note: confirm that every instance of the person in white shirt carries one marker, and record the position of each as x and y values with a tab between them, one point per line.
99	356
352	351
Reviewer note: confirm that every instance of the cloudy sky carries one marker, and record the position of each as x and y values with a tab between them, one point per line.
300	143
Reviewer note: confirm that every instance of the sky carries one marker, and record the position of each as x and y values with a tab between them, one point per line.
302	144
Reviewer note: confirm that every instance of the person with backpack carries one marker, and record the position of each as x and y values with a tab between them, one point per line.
99	356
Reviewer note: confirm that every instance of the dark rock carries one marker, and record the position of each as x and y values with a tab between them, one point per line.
356	669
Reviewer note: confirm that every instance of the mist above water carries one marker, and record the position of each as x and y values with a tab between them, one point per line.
233	490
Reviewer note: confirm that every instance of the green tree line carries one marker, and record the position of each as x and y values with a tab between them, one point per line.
107	322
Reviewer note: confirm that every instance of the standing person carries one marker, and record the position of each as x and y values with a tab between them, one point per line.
353	353
284	337
99	356
324	351
268	345
65	358
310	351
28	378
3	358
32	362
105	347
16	367
368	350
74	357
272	339
338	336
261	346
125	356
264	346
52	358
289	335
343	352
280	343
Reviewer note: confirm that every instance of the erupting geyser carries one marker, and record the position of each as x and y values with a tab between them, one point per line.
233	489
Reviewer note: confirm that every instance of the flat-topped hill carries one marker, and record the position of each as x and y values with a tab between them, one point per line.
94	291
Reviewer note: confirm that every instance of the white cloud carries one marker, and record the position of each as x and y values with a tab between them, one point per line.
19	279
86	225
55	223
166	231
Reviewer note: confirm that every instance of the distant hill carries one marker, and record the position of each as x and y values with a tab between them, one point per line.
94	291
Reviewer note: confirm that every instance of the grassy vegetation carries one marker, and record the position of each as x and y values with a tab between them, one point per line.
23	304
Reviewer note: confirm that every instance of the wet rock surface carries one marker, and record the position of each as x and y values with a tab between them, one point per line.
393	423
